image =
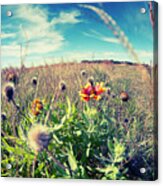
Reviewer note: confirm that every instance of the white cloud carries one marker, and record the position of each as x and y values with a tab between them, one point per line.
42	37
145	54
7	35
36	30
10	51
73	56
66	17
96	35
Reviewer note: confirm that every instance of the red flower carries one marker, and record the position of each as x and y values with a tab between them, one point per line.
87	92
90	91
98	90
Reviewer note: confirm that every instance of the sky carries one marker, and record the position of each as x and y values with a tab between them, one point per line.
54	33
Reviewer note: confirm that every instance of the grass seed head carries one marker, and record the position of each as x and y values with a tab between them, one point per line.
39	138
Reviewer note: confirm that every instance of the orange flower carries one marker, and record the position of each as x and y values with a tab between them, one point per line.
98	90
37	107
90	91
87	92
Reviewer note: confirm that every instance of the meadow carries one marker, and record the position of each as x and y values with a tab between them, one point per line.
79	121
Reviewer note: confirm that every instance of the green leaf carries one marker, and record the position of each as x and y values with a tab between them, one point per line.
71	159
21	133
88	149
69	109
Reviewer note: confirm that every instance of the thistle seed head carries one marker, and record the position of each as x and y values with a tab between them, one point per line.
39	138
62	86
91	80
9	91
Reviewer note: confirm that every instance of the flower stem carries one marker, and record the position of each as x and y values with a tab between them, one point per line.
56	161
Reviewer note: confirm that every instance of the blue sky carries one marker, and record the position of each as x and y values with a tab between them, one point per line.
69	32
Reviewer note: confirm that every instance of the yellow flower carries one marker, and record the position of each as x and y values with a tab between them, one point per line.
90	91
87	92
37	107
98	90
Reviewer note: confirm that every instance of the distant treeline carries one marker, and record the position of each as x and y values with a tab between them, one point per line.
112	62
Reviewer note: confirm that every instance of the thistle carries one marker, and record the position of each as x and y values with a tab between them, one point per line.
91	80
12	77
9	91
62	86
83	73
124	96
39	138
3	116
34	81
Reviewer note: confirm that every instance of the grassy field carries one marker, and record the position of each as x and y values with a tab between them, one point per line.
48	131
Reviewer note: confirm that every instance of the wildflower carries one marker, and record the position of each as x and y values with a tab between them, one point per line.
62	86
87	92
90	91
8	91
34	81
98	90
39	138
124	96
12	77
83	73
91	80
37	107
3	116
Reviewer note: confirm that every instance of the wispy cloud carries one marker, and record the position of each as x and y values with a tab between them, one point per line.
7	35
96	35
38	31
48	35
66	17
